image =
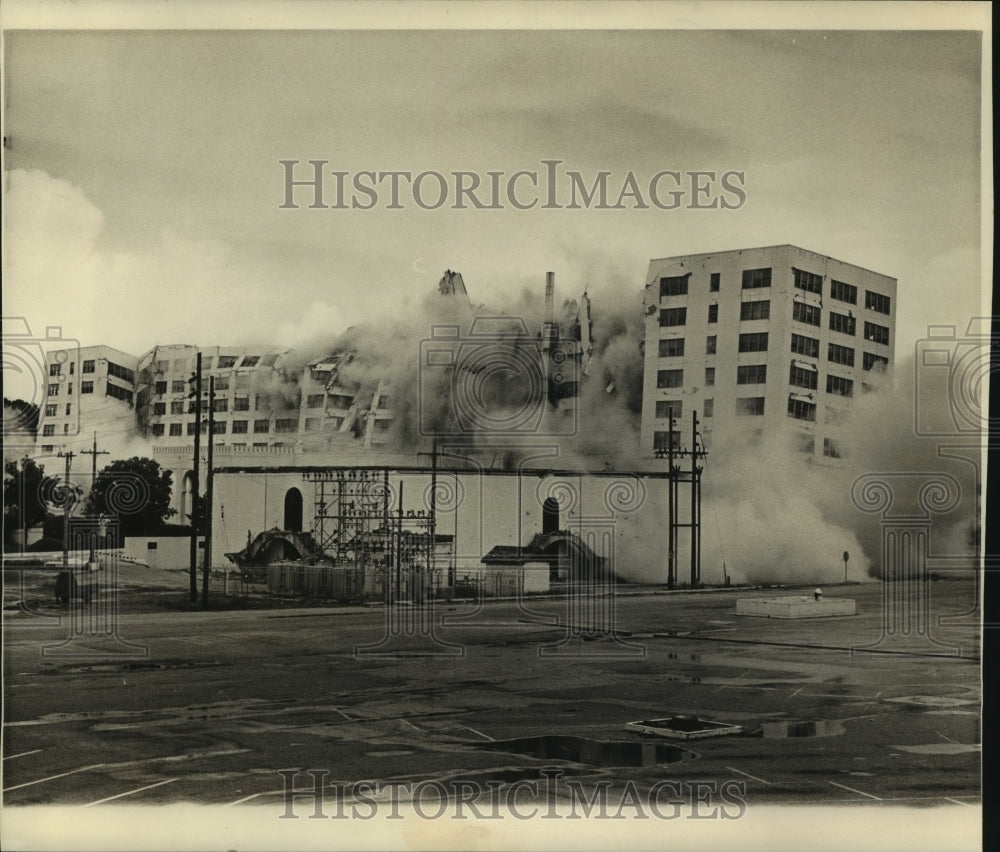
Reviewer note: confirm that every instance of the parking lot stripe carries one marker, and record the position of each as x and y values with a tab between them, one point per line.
53	777
859	792
252	796
957	802
22	754
129	793
748	775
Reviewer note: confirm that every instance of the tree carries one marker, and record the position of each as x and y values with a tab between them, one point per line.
22	489
137	492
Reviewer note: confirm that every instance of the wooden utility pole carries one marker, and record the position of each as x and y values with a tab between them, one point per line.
196	379
94	453
208	492
69	506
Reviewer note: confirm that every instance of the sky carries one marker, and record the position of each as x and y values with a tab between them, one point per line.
143	184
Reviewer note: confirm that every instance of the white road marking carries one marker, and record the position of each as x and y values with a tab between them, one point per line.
253	796
797	691
748	775
957	802
486	736
53	777
22	754
948	739
129	793
859	792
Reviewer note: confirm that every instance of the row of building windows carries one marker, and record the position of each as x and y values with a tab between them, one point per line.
226	362
755	374
801	312
220	427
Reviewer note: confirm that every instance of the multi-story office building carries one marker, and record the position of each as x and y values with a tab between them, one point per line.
761	341
256	401
90	389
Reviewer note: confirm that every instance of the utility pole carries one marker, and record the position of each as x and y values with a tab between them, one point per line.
695	505
196	393
22	502
69	507
94	453
672	535
208	492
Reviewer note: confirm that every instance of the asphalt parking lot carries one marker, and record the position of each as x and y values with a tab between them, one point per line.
237	708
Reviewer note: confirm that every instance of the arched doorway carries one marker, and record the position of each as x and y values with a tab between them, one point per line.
187	489
550	516
293	510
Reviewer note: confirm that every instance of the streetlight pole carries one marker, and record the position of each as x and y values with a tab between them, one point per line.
208	492
196	379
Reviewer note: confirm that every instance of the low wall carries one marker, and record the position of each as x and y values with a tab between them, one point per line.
167	552
795	606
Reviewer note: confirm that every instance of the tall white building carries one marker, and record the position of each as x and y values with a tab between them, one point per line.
89	389
760	341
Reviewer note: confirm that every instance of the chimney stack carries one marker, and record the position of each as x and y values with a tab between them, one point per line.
550	287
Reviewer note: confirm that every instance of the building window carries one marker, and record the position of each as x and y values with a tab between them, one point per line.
877	302
48	430
808	281
673	316
844	292
835	416
801	410
159	409
315	400
669	378
839	385
840	355
241	403
670	348
808	314
72	367
710	376
55	369
222	383
676	285
286	425
69	388
750	405
755	310
119	393
50	410
176	429
157	430
842	323
206	363
123	373
219	427
870	360
714	281
261	426
48	448
661	440
250	360
876	333
708	407
88	366
800	377
260	446
710	344
713	313
753	342
69	409
86	387
227	362
314	424
65	428
802	345
177	406
806	443
831	449
220	404
54	390
751	374
177	386
668	408
755	278
161	387
241	427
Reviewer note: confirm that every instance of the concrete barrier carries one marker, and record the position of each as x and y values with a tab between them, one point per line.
795	606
